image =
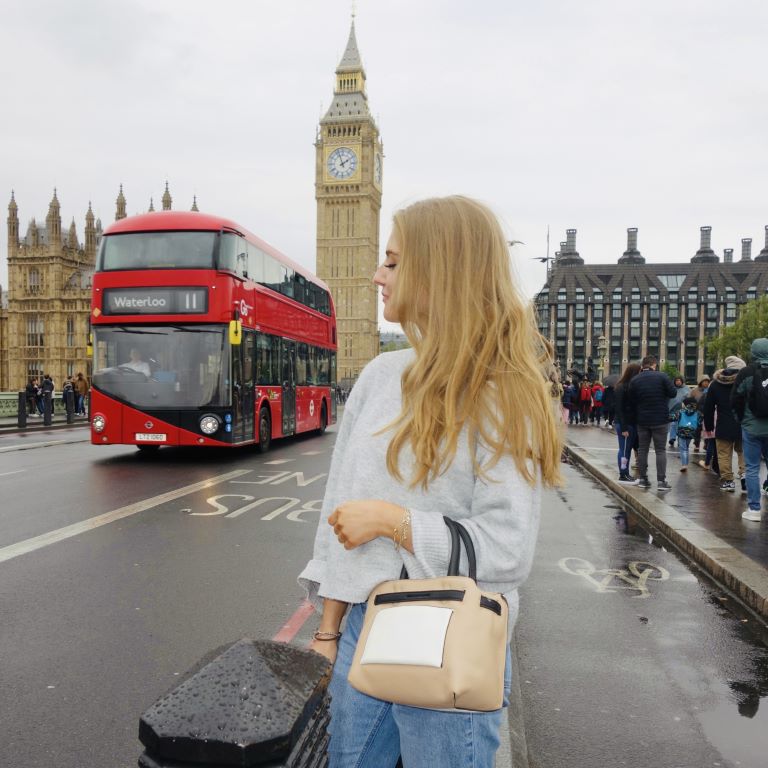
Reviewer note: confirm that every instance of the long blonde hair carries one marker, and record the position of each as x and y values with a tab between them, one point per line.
480	360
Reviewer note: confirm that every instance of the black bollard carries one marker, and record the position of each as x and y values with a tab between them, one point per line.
22	414
258	703
69	405
47	408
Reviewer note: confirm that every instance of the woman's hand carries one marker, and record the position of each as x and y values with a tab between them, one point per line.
327	648
358	522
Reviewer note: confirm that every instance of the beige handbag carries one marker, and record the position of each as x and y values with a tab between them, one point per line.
435	643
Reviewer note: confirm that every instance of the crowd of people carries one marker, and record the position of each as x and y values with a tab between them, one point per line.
37	389
721	417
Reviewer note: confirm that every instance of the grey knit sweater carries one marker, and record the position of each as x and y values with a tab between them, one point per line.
502	515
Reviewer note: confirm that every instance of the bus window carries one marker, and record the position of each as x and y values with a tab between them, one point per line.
323	358
286	285
301	289
228	252
157	250
273	276
302	367
266	360
255	263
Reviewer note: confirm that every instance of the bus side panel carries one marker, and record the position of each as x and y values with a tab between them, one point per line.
112	412
271	397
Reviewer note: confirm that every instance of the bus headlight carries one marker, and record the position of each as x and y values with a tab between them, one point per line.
98	423
209	424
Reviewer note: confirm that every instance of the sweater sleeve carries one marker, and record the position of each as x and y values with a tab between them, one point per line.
314	572
503	522
708	409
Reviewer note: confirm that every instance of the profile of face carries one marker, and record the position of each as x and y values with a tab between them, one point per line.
385	277
678	382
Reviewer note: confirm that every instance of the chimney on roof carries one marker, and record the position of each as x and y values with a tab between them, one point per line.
728	256
569	253
746	249
705	254
632	255
763	255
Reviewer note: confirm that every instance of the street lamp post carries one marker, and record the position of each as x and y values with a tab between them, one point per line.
602	348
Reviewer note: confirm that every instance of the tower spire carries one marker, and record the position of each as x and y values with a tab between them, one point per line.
13	226
120	212
53	222
167	199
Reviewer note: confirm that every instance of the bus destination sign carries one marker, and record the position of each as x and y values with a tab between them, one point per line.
155	301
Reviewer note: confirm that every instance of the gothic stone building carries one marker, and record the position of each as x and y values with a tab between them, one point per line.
639	309
45	313
348	178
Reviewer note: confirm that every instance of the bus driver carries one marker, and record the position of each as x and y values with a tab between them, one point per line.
137	364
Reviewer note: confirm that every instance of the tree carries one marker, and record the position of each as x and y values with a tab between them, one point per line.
671	371
737	339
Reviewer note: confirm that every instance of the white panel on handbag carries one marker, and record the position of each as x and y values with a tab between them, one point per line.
408	634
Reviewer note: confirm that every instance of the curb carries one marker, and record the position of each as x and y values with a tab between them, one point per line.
518	746
14	430
739	574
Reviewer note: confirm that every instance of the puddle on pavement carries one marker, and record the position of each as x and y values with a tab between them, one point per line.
737	723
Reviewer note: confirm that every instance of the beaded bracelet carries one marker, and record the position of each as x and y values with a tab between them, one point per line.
326	635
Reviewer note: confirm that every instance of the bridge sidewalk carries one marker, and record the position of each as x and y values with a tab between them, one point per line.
696	516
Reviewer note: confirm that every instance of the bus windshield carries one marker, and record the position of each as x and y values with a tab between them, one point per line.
158	250
163	366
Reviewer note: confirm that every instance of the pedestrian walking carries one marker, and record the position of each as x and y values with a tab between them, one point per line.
571	402
675	404
82	389
626	432
720	419
439	429
609	405
698	393
649	395
749	398
598	392
687	420
585	401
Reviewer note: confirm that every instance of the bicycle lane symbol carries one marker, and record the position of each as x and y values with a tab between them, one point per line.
634	577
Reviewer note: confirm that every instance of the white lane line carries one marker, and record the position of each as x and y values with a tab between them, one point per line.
52	537
279	461
312	453
15	472
48	444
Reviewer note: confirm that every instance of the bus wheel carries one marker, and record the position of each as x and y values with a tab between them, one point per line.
323	419
265	430
148	448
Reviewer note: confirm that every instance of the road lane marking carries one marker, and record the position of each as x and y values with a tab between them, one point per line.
47	444
15	472
635	576
312	453
280	461
290	629
52	537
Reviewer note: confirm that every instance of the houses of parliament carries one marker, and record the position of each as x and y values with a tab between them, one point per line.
44	314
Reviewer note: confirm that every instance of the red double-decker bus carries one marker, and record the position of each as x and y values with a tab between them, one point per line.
203	334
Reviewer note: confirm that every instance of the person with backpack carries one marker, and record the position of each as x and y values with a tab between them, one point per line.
749	399
718	417
598	392
687	421
675	405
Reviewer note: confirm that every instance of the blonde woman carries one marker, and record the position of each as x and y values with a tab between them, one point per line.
460	425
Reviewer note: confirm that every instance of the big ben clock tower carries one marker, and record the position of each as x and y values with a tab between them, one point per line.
348	174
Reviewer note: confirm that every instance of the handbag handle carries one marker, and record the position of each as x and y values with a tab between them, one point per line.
459	535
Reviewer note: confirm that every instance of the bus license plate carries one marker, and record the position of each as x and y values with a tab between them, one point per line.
150	437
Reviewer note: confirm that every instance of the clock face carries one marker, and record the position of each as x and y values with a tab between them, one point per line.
377	168
342	163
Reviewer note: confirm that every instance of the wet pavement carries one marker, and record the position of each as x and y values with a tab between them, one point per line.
627	656
695	493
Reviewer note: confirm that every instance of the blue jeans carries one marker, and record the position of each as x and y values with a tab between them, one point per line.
625	445
672	431
754	447
370	733
684	443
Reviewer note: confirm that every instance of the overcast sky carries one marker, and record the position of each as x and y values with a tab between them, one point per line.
598	115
